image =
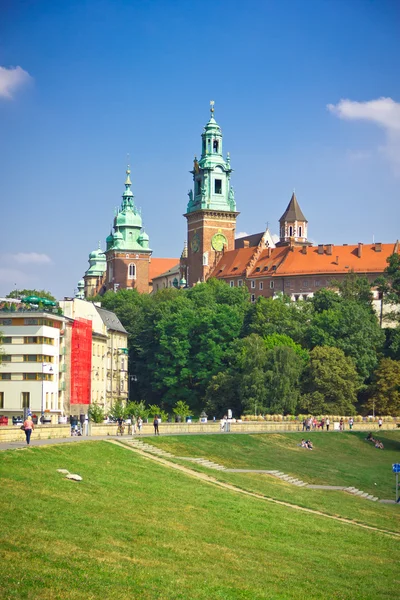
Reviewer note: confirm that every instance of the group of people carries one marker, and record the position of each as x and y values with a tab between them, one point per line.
378	444
132	424
313	423
307	444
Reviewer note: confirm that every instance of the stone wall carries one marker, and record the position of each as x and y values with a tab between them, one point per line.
41	432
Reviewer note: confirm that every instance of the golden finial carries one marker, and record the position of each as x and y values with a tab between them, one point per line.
212	107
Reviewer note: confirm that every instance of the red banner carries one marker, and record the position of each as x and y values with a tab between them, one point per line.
81	361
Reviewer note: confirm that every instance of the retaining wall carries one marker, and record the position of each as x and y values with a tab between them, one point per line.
13	433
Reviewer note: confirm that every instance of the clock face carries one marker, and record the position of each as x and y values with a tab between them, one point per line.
218	242
195	243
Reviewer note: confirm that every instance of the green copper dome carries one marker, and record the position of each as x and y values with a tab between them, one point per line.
97	263
128	217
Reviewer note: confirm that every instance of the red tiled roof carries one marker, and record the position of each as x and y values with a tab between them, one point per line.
160	265
292	261
233	263
342	260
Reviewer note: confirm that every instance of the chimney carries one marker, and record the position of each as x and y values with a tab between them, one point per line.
359	250
269	252
304	249
337	260
246	243
320	248
329	249
378	247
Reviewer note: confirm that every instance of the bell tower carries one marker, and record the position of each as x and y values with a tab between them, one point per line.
211	210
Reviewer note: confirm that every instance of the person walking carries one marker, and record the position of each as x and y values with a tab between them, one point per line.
155	424
327	423
351	422
139	424
380	421
28	428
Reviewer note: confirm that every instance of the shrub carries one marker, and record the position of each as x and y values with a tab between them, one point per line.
96	413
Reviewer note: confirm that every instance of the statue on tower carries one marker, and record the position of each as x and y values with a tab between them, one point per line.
232	202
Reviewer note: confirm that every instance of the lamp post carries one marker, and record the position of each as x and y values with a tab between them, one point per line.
131	378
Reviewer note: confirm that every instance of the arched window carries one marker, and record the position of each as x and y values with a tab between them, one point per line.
290	231
132	271
300	231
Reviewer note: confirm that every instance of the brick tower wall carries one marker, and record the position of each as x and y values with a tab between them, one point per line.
206	224
120	262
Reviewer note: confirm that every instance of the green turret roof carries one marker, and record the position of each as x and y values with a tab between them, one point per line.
128	224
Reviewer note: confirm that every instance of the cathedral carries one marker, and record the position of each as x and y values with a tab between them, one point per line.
289	265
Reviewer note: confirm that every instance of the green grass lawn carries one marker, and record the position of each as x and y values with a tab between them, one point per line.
355	463
337	459
136	529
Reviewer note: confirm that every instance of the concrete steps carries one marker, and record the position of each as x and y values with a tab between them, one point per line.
209	464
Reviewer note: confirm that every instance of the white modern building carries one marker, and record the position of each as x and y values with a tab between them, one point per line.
32	363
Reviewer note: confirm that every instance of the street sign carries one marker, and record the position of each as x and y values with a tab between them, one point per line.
396	468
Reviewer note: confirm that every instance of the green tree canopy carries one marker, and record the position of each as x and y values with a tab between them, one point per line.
330	382
385	389
37	293
353	328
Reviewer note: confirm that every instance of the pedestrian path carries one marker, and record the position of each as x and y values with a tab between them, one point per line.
140	445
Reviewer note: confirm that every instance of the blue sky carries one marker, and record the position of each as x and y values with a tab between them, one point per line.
98	79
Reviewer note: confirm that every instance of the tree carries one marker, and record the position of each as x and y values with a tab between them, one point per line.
330	382
181	409
136	410
279	339
222	393
279	315
282	379
96	413
353	328
385	389
388	286
118	410
355	287
37	293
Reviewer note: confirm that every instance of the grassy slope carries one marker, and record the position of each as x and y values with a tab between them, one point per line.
355	463
338	458
134	529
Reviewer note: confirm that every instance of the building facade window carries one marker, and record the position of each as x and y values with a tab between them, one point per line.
261	285
253	298
110	271
7	340
218	186
1	399
26	399
5	376
252	284
271	285
305	283
240	283
132	271
232	284
205	259
6	358
300	231
290	231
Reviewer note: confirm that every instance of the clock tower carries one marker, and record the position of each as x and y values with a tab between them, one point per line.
211	210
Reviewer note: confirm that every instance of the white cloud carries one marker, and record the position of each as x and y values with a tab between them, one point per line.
383	112
241	234
31	258
11	79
